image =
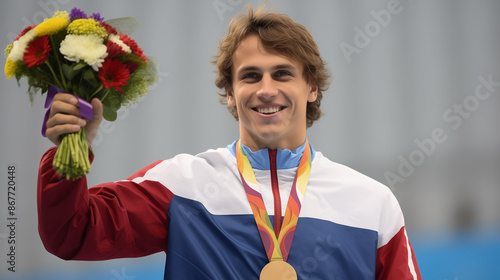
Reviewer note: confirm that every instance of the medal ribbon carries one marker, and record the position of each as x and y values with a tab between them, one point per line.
277	249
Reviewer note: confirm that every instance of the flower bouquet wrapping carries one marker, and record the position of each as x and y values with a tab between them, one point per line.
85	56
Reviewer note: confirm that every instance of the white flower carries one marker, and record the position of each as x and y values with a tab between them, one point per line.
116	39
88	47
19	46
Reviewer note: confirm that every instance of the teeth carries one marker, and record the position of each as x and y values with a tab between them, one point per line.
270	110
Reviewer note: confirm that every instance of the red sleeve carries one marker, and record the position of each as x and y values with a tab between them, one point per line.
396	259
112	220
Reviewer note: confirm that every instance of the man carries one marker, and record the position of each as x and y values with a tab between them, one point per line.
283	210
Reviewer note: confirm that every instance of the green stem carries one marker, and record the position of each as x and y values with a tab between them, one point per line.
58	61
84	152
95	92
74	151
71	160
53	73
105	94
47	82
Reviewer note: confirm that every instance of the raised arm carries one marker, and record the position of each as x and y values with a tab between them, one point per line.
64	118
111	220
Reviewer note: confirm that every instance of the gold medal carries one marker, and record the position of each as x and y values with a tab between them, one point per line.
278	270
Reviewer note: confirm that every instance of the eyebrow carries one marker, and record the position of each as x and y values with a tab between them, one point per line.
274	68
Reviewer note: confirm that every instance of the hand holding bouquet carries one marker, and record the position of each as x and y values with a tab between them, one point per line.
85	56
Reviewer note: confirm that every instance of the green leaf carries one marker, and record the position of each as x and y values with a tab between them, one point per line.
89	76
115	103
80	91
69	86
79	65
69	72
125	25
109	113
66	70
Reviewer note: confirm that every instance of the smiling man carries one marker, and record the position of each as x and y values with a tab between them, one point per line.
270	95
282	209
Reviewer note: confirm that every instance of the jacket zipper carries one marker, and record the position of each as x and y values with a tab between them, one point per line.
276	192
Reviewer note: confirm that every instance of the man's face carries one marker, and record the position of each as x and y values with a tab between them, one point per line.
270	95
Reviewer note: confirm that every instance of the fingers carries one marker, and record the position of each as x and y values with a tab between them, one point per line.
54	133
64	103
64	117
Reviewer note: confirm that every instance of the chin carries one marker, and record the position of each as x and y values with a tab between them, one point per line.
270	137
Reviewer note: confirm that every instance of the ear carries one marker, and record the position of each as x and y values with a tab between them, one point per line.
230	98
313	94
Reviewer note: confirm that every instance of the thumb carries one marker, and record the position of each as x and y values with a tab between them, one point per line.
92	126
97	106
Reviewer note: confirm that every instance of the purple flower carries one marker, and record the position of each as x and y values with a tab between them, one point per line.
76	14
97	17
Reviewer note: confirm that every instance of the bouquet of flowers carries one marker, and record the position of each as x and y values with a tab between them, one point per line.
88	57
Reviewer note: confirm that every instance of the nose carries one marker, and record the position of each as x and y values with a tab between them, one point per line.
267	88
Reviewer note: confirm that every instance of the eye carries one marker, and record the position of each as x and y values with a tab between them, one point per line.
251	76
282	74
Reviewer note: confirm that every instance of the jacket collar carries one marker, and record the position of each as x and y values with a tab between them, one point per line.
285	159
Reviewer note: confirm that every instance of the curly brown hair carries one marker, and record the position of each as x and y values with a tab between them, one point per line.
281	34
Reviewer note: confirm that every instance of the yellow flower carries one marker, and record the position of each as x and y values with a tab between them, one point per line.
62	14
10	68
7	50
51	26
84	26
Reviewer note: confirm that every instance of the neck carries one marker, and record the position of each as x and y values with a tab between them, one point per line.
256	145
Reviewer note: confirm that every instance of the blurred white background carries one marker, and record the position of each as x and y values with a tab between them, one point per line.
414	103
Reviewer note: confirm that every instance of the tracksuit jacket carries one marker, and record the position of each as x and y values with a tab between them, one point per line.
194	208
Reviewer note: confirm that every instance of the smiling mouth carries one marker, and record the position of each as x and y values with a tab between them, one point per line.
269	110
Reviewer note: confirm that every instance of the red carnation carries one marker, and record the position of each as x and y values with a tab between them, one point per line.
24	32
110	29
114	74
132	66
114	49
37	51
133	46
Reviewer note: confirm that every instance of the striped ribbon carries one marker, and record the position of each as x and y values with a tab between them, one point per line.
277	249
